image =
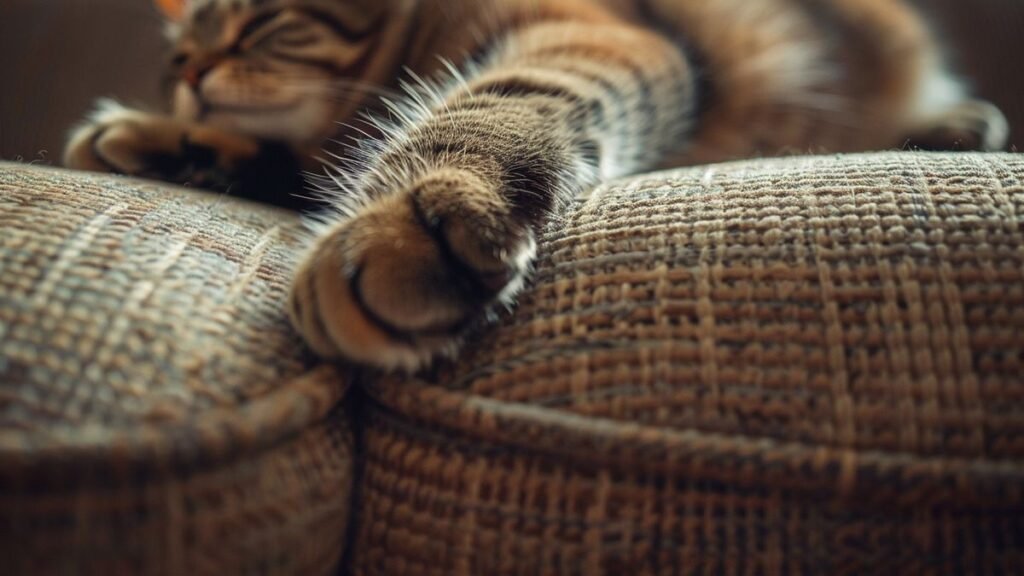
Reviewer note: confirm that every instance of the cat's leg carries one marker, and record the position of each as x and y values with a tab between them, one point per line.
445	222
944	117
126	141
968	125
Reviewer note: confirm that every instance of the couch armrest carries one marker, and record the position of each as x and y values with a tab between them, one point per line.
809	361
158	414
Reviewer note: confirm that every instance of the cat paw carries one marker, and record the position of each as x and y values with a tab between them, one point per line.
125	141
400	284
971	125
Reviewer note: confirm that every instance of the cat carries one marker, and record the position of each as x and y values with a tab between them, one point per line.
511	108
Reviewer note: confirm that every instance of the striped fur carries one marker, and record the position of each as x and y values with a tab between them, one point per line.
434	213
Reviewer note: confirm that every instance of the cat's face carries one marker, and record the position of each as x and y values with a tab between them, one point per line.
277	69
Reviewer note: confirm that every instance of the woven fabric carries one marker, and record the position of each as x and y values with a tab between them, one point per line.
801	366
157	413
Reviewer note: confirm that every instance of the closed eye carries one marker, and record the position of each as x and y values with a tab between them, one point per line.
282	29
290	33
256	25
295	35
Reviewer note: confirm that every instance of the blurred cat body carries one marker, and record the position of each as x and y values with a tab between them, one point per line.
434	215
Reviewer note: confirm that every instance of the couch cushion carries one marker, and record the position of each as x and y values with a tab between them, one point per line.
157	413
810	365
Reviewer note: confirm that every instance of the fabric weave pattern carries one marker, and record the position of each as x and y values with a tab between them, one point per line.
797	366
157	413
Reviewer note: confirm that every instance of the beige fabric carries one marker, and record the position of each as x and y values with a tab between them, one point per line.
803	366
157	413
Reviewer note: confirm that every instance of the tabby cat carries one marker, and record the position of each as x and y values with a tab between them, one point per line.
510	108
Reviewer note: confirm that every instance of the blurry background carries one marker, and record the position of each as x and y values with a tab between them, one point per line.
58	56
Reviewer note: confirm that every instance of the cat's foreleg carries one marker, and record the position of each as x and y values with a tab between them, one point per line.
442	226
126	141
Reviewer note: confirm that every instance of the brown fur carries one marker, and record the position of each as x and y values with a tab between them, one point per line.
439	221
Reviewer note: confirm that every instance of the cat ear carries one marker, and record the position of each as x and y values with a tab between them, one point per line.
172	9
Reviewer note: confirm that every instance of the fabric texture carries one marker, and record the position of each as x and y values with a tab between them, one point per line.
157	413
799	366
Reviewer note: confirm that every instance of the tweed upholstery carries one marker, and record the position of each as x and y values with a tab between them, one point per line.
801	366
157	413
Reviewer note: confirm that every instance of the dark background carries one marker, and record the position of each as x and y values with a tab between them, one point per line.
58	56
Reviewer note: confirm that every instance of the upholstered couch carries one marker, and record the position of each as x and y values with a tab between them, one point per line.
803	366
